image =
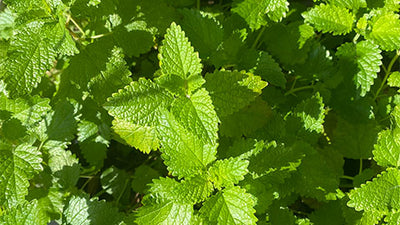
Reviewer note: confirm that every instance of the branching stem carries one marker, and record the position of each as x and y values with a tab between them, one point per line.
387	73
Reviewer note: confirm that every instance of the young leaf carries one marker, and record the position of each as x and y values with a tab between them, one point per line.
183	152
177	56
230	206
386	31
17	166
253	11
330	19
196	113
227	172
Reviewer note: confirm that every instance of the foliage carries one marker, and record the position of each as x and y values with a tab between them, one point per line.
199	112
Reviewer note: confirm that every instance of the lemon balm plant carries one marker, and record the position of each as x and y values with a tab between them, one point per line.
199	112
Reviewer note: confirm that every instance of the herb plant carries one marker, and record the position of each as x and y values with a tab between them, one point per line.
199	112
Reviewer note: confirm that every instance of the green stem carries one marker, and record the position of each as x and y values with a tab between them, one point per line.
387	73
258	37
298	89
347	177
100	35
198	4
361	166
77	25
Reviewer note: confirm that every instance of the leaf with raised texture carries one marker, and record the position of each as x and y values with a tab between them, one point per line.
17	166
387	149
255	12
230	206
227	172
177	56
183	152
367	56
139	103
82	210
26	213
196	113
386	31
143	138
166	212
330	19
312	113
380	194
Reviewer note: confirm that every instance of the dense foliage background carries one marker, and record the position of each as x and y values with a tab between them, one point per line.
199	112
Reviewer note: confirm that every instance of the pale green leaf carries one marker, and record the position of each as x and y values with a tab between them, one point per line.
255	12
141	137
386	31
82	211
330	19
177	56
26	213
306	32
196	113
230	206
350	4
227	172
17	166
165	213
183	152
231	91
394	79
380	194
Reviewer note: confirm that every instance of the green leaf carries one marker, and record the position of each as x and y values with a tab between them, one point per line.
115	181
183	152
354	140
247	120
394	79
140	102
26	213
196	113
387	149
177	56
227	172
115	76
306	32
7	23
231	91
268	69
380	194
17	166
143	176
253	11
230	206
82	210
204	31
62	125
386	31
64	166
143	138
350	4
31	53
330	19
165	213
312	113
366	55
28	110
